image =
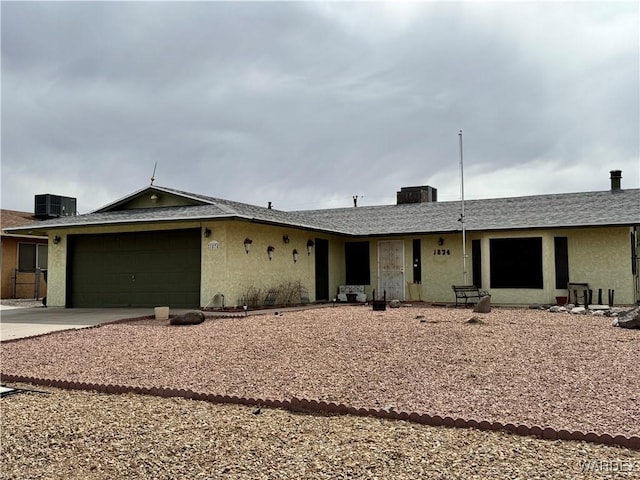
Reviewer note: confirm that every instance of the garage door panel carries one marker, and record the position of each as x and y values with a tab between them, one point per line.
174	298
113	299
120	261
112	278
143	269
150	298
147	261
105	301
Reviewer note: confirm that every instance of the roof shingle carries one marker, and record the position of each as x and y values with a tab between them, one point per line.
603	208
15	218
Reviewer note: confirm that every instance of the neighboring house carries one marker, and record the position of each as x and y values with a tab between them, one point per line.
160	246
23	258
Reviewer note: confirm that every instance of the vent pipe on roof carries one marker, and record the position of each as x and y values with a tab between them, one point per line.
616	176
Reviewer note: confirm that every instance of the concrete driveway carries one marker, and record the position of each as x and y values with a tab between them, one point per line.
29	318
19	322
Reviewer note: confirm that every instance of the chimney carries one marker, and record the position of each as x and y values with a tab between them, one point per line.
421	194
616	176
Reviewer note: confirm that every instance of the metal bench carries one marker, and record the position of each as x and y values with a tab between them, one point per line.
466	292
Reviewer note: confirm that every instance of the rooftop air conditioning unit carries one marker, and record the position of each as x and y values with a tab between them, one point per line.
52	206
421	194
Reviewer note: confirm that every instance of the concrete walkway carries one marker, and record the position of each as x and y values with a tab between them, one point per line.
19	322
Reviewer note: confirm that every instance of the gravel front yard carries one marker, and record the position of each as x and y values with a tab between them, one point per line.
518	366
79	435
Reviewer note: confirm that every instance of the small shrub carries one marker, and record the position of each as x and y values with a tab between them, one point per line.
251	297
291	293
284	294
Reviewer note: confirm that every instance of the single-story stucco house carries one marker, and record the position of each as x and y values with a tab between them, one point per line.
22	258
160	246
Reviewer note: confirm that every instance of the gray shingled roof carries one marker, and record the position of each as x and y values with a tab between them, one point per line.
541	211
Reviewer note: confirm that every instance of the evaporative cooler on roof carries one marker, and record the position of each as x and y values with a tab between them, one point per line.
51	206
420	194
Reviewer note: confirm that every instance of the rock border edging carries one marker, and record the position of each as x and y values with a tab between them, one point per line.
303	405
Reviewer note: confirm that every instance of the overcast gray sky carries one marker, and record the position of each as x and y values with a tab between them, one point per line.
308	104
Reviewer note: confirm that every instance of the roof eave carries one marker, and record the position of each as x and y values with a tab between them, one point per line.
13	235
120	201
129	221
40	230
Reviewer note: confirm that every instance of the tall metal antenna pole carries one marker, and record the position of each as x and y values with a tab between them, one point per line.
462	219
153	175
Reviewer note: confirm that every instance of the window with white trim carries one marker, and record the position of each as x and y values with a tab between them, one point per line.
32	256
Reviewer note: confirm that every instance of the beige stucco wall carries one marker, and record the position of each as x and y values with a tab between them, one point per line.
439	271
442	266
225	270
602	257
230	271
56	276
599	256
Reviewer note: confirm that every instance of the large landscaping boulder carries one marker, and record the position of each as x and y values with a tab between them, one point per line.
189	318
629	319
484	305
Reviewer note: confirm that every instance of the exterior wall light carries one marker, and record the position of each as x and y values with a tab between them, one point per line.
154	197
285	238
295	255
207	232
56	239
309	247
441	241
270	251
247	244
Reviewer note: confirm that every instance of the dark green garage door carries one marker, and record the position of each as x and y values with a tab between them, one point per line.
144	269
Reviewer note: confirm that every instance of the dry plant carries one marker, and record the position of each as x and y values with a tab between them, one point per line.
251	297
290	293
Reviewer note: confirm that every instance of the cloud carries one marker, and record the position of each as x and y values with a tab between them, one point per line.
308	104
